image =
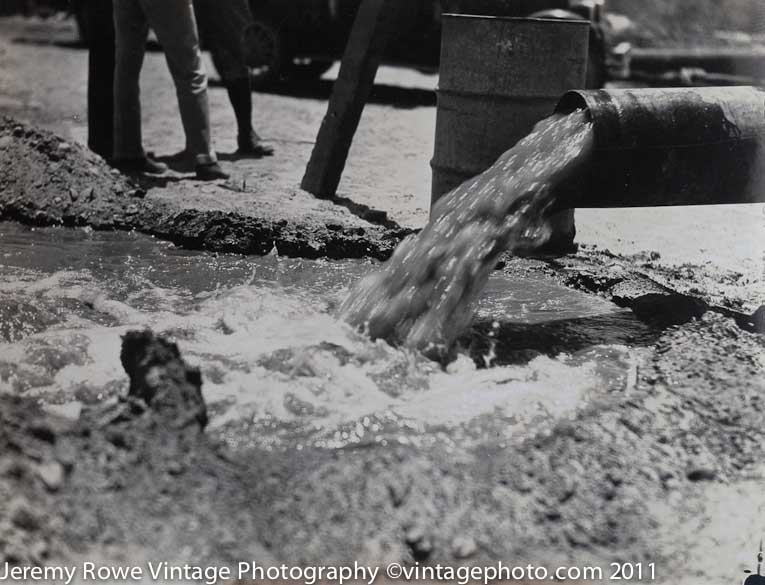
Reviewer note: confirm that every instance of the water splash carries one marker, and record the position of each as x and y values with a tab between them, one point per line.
279	368
425	295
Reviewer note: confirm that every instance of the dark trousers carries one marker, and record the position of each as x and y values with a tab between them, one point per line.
222	25
100	32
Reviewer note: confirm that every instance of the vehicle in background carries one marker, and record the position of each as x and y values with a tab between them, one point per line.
302	39
42	8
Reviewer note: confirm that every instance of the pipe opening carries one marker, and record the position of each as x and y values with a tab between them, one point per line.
570	102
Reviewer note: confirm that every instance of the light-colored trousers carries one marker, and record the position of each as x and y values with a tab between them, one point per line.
175	26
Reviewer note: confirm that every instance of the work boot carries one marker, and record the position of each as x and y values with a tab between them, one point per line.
211	172
250	146
142	164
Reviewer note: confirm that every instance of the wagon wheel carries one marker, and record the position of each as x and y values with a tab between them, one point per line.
265	51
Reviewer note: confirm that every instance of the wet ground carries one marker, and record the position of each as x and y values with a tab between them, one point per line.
618	419
591	436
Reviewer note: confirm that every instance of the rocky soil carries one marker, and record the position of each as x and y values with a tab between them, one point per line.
139	478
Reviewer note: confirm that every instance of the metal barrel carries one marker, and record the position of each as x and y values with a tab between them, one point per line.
660	146
499	76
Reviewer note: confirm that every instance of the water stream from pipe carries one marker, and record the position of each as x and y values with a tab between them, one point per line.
425	295
282	369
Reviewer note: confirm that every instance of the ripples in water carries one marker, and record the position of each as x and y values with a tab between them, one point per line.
280	369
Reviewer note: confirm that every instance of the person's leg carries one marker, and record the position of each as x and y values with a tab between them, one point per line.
100	27
226	24
174	23
131	30
248	141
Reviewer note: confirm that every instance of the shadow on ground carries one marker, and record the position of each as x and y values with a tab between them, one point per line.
321	89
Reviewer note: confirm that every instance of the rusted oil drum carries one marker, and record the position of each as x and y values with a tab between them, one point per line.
499	76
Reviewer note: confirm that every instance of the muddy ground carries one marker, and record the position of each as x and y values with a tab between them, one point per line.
669	470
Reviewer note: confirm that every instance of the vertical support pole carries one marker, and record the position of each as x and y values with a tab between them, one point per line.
374	25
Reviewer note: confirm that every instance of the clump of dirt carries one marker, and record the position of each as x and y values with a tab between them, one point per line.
45	180
161	379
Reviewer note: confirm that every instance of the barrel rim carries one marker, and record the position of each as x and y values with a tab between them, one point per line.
519	19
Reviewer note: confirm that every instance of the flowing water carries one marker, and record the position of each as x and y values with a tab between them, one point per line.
283	359
282	366
425	295
280	369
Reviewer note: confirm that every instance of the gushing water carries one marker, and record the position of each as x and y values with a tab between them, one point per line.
425	295
279	368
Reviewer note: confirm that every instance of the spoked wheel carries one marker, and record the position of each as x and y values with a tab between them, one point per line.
265	51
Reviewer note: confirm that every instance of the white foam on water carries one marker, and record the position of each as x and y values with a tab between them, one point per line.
265	334
280	357
425	295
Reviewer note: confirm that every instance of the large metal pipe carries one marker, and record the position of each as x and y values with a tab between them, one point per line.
688	146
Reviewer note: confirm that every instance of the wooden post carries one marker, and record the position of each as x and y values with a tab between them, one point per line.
374	25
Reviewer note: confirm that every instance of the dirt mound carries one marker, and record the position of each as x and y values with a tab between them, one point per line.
49	181
45	180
